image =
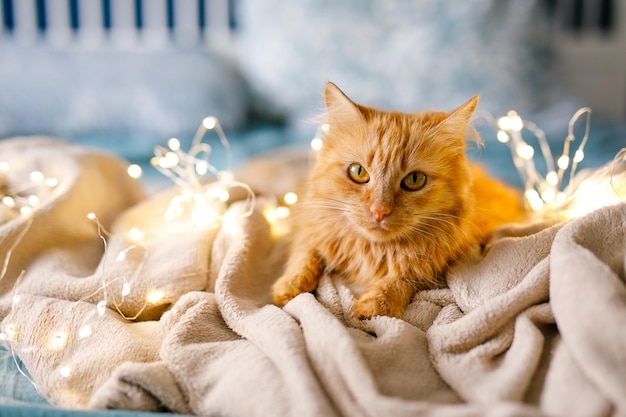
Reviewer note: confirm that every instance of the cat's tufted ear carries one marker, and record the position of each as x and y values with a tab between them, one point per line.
458	120
339	107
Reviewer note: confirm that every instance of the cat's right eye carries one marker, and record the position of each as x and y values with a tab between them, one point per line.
358	174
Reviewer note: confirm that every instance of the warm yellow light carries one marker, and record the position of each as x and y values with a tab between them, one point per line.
65	371
270	214
101	307
282	212
85	331
224	196
26	211
209	122
125	289
33	200
563	162
10	332
552	178
135	234
8	201
316	144
503	137
290	198
134	171
170	160
58	340
51	182
579	155
511	122
91	216
525	151
173	144
202	167
226	176
36	176
155	296
533	198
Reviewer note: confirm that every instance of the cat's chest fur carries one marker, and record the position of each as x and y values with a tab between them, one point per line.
361	262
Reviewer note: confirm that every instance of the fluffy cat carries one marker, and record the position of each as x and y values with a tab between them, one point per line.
392	201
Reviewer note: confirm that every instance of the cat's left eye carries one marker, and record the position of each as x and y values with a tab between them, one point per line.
358	174
414	181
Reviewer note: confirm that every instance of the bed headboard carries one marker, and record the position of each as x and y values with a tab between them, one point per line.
92	22
590	35
591	42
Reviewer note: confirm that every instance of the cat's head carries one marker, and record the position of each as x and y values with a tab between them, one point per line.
391	175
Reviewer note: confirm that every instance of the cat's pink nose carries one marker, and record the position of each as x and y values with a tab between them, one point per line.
380	213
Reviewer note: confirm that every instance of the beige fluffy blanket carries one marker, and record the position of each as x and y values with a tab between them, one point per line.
535	327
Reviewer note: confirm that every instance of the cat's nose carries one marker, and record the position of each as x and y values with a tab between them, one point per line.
380	213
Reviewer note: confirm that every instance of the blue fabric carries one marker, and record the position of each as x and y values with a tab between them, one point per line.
396	54
150	93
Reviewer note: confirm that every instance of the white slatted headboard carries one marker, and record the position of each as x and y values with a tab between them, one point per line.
93	22
591	41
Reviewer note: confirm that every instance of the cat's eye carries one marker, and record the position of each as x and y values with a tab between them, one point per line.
414	181
358	174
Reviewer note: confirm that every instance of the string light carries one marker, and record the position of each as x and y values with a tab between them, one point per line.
134	171
547	195
204	202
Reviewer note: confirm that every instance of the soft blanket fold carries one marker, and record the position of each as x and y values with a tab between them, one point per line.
182	320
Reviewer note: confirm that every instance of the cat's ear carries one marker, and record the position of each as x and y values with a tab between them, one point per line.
458	121
339	107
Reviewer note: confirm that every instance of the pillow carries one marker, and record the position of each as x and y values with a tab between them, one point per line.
407	55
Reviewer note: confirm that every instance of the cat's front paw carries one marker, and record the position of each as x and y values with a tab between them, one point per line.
287	288
370	305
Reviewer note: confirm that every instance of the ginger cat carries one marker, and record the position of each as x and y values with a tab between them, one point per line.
392	201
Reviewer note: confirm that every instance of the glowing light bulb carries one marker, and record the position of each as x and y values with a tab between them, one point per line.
503	137
10	332
202	167
224	196
58	340
65	371
290	198
125	289
525	151
155	296
209	122
226	176
135	234
26	210
579	155
51	182
170	160
134	171
91	216
282	212
533	198
552	178
8	201
101	308
36	176
85	331
563	162
173	144
270	214
317	144
33	200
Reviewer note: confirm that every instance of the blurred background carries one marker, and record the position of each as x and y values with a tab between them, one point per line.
126	75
